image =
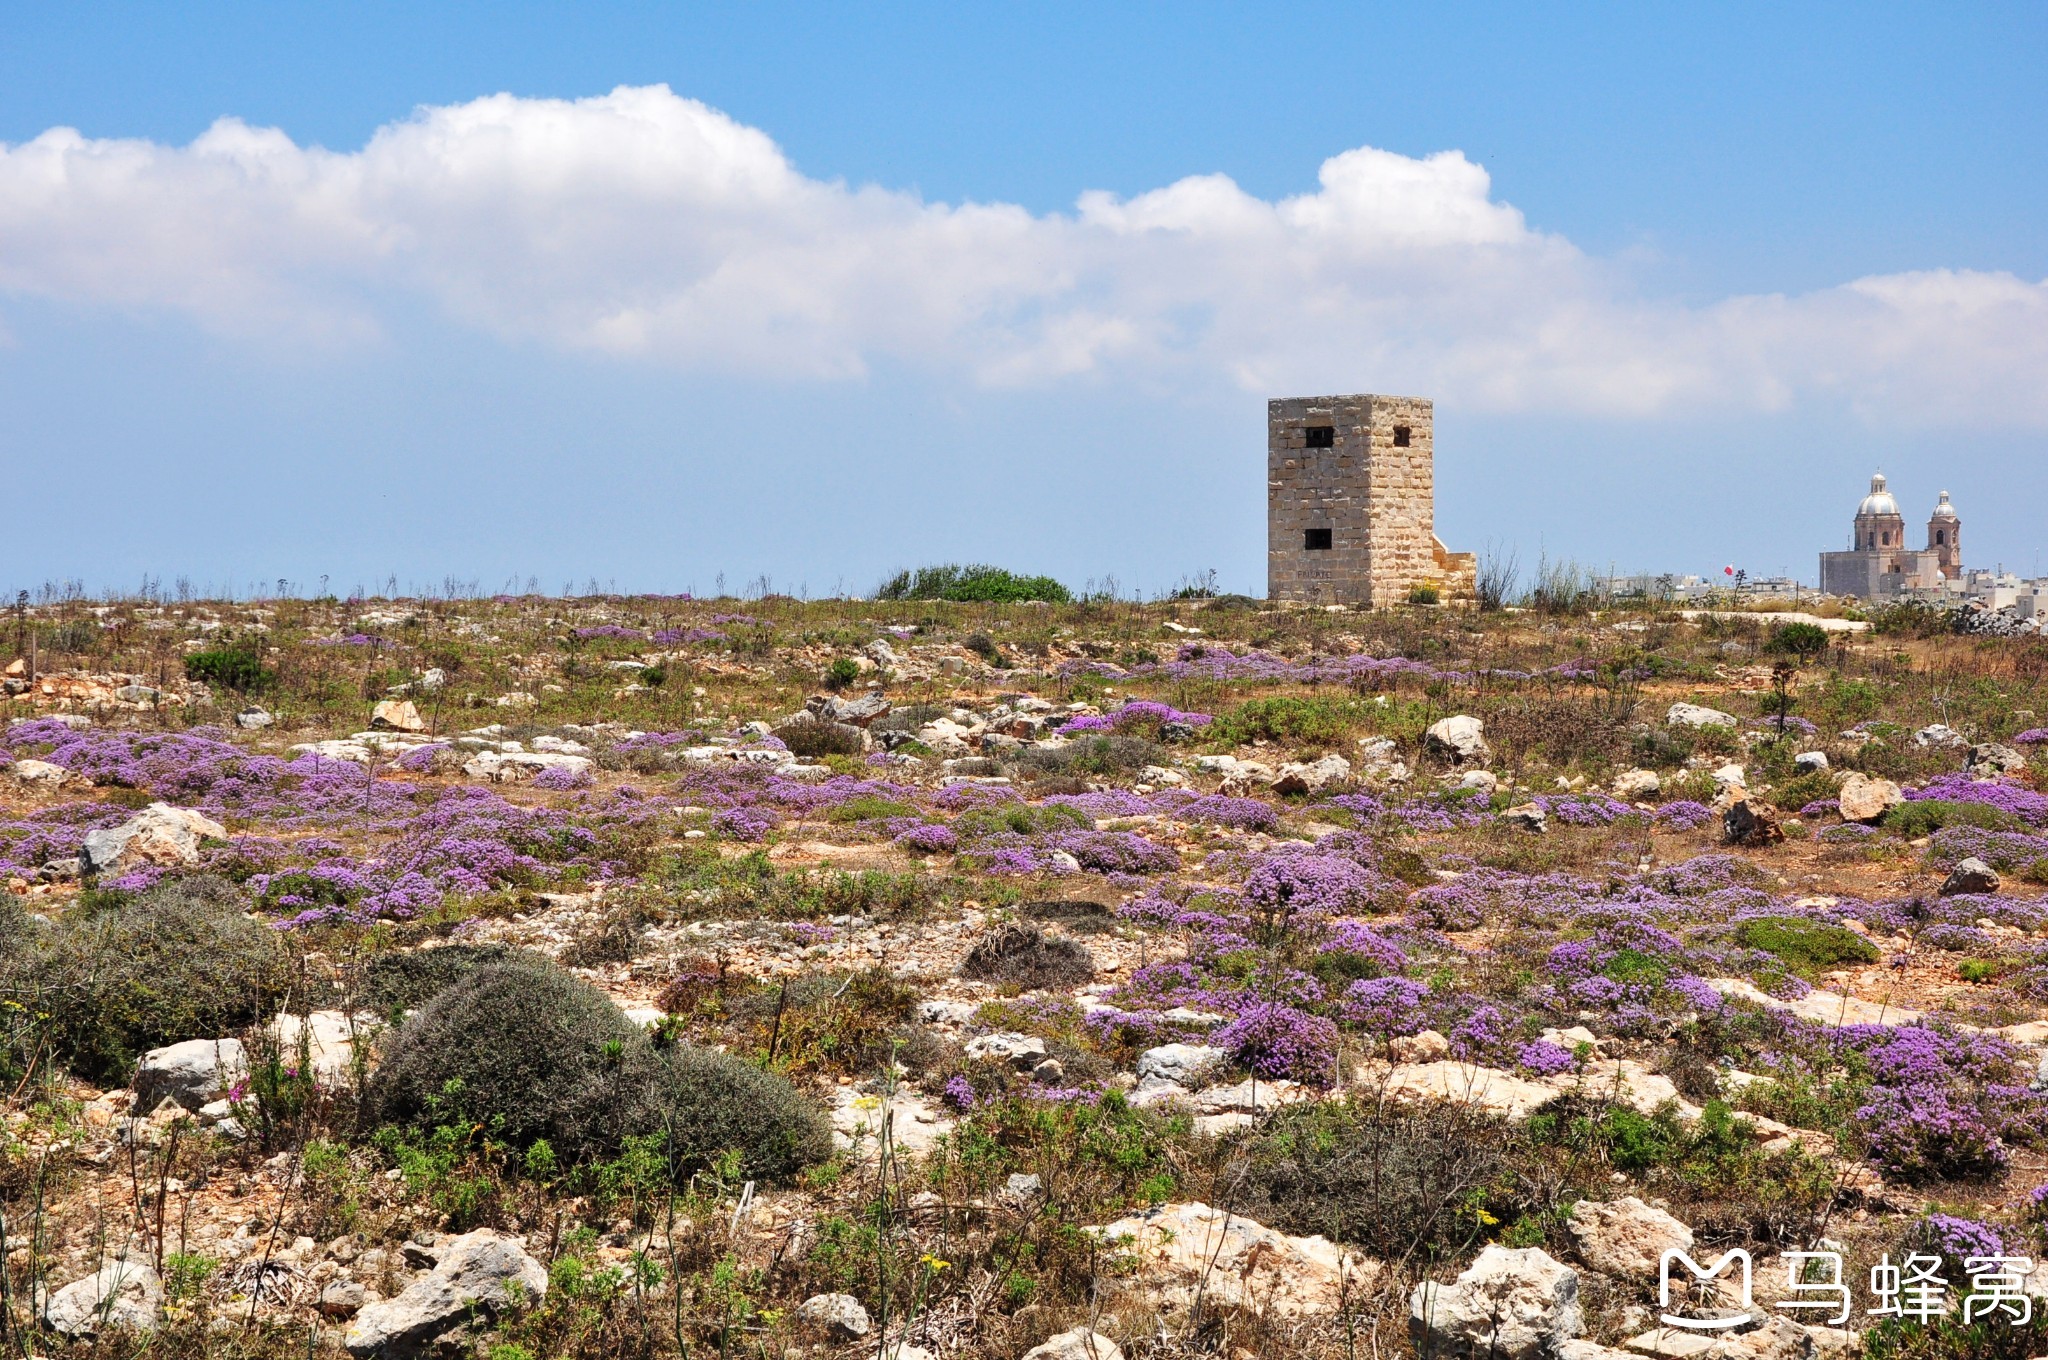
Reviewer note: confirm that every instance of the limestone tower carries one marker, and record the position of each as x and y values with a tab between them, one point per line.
1351	504
1879	525
1945	538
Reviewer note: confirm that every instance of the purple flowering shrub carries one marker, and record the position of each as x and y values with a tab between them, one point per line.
1941	1105
2019	801
1279	1042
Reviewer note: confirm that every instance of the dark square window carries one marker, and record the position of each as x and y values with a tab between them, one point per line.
1400	436
1321	436
1316	540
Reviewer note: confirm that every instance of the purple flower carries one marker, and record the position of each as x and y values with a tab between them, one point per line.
1281	1043
1545	1058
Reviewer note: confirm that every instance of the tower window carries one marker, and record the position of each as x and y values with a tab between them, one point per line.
1315	540
1401	433
1321	436
1941	538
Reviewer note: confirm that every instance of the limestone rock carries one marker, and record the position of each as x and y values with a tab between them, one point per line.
1511	1304
1697	715
516	767
1938	734
1487	1089
1972	875
480	1273
343	1298
125	1294
1634	784
1182	1064
1021	1051
38	774
1425	1047
1991	757
191	1073
1626	1237
1751	822
1311	776
1528	816
1459	738
252	719
1235	1261
1083	1343
851	712
159	835
840	1317
326	1040
397	715
1865	799
1810	762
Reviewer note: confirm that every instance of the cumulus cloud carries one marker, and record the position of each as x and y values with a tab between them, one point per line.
643	224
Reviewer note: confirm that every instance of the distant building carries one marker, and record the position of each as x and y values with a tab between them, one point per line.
1351	504
1879	565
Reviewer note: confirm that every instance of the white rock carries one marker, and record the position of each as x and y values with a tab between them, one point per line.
1810	761
1487	1089
1938	734
191	1073
1865	799
124	1294
37	773
1181	1064
1626	1237
839	1316
250	719
1311	776
1082	1343
1633	784
325	1039
480	1273
1460	738
1695	715
1234	1261
1510	1304
159	835
516	767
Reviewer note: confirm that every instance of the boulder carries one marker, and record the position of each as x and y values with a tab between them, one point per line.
252	719
1483	782
1810	762
1626	1237
397	715
1751	822
192	1073
343	1298
1234	1262
1181	1064
1083	1343
125	1294
1697	715
839	1317
1633	784
1938	734
1460	738
1488	1090
1425	1047
159	835
1864	798
1311	776
1972	875
1527	816
1510	1304
482	1273
516	767
38	774
851	712
1991	757
325	1040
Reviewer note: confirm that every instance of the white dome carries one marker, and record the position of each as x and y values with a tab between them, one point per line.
1943	510
1879	501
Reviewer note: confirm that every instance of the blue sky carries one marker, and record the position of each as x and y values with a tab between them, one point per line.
833	301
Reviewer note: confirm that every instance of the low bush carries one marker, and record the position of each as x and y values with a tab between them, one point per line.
1093	755
531	1055
1797	639
236	667
1295	722
1081	917
714	1103
976	583
1923	817
1796	792
1807	947
182	961
404	980
813	739
1027	957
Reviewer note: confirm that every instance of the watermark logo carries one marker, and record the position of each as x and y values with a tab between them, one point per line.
1701	1275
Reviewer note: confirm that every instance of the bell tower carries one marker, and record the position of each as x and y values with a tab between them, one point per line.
1945	538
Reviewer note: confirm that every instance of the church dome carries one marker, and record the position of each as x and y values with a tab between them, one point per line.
1879	501
1943	510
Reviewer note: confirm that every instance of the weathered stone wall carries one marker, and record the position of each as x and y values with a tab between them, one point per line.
1374	495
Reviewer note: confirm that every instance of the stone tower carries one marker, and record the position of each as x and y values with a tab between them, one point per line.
1350	504
1945	538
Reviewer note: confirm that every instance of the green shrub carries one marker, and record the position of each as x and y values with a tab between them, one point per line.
1424	594
1093	755
1806	946
1297	722
181	961
1798	639
405	980
813	739
1925	816
1796	792
842	672
1024	819
532	1055
984	646
715	1103
237	666
976	583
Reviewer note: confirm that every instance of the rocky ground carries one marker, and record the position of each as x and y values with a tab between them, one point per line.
570	977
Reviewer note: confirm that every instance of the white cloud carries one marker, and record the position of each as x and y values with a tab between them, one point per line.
644	224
